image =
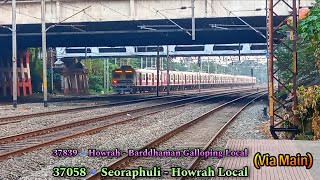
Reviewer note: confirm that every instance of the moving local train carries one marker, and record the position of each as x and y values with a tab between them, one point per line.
128	79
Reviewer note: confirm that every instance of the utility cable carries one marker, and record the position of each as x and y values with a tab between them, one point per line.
115	11
157	11
52	26
213	9
243	21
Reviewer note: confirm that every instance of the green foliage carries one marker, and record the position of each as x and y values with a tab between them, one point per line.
309	109
95	83
308	48
309	31
36	70
96	72
56	82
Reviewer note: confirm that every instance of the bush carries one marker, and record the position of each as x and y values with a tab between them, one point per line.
95	84
309	109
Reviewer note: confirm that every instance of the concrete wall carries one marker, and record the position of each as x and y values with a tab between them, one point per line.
124	10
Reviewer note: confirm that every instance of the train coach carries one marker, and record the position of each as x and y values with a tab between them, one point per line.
128	79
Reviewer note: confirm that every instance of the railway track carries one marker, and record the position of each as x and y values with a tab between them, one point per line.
15	119
20	143
199	134
100	98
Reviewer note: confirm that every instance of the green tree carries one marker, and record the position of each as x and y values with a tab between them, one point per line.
96	73
309	31
308	49
36	69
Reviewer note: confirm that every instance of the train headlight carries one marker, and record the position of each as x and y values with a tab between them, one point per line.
115	82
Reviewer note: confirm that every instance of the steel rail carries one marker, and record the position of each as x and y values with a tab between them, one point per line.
126	159
82	132
21	136
15	119
197	160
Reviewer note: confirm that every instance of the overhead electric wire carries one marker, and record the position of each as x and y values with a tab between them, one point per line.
21	13
157	11
128	17
175	23
115	11
52	26
213	9
260	33
40	18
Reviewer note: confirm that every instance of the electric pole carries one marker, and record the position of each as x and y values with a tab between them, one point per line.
158	69
14	54
108	76
193	21
104	76
168	75
44	53
51	68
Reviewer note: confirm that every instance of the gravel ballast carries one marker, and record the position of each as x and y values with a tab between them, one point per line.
131	135
245	126
31	108
31	124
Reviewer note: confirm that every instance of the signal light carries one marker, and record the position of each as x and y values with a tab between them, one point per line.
114	82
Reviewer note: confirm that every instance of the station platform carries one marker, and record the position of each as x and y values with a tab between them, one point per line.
274	148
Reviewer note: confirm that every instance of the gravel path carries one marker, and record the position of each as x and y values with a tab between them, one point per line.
36	123
131	135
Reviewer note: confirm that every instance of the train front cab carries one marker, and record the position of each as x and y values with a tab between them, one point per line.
123	80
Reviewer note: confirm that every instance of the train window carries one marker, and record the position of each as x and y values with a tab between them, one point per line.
143	77
116	75
129	75
149	77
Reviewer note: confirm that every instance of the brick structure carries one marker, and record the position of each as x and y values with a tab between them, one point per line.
24	78
74	79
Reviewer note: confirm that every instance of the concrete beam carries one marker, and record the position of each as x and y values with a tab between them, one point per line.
126	10
130	51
